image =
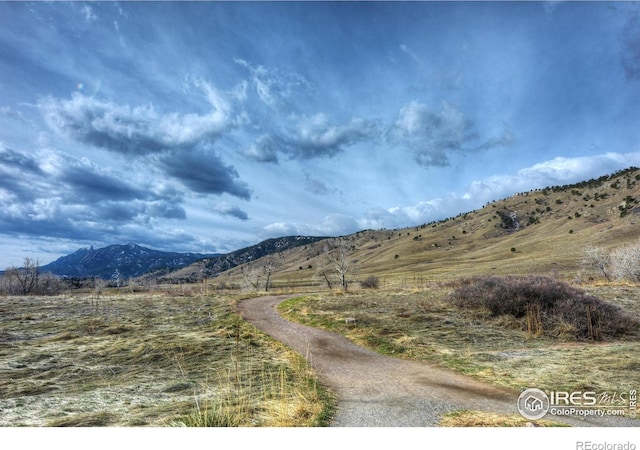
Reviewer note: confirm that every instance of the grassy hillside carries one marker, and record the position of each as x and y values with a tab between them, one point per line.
539	231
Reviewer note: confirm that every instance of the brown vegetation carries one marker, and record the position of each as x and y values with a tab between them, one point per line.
549	305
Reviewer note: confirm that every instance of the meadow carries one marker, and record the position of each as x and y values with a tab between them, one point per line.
425	324
183	357
175	358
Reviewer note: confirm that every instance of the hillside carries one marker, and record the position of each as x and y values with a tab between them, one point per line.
210	267
540	231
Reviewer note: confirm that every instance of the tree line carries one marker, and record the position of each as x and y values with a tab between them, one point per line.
29	280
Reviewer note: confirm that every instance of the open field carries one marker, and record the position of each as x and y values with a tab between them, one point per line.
422	324
185	358
143	359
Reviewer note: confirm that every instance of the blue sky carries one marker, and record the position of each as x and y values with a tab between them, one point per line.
209	126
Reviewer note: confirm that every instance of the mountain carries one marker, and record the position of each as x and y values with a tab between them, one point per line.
119	261
209	267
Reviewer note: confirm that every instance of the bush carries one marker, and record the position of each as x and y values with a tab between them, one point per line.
371	282
625	263
546	306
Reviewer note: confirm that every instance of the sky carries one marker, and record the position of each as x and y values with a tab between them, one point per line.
210	126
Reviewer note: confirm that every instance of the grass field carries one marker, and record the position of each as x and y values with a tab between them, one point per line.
186	358
422	324
146	359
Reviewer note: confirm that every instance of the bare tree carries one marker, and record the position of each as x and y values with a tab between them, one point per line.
257	276
251	278
8	285
27	276
118	278
599	258
99	285
625	262
48	284
337	267
622	263
271	265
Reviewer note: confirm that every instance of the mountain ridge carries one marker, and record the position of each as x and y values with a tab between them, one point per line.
210	267
118	261
125	261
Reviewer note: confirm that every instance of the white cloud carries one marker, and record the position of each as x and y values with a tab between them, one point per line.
278	229
264	149
555	172
88	14
137	130
308	137
331	225
558	171
315	136
274	87
319	187
435	136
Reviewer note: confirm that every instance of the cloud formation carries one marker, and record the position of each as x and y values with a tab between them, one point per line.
557	171
203	171
227	209
336	224
316	136
54	194
273	87
134	131
87	183
319	187
265	149
309	137
433	136
141	131
13	163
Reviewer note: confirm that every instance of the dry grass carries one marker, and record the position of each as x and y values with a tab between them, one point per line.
424	325
145	359
466	418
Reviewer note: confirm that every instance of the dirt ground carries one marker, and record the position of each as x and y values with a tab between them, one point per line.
379	391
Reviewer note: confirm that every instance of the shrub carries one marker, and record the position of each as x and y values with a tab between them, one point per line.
546	305
371	282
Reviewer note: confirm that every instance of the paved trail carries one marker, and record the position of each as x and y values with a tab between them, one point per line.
380	391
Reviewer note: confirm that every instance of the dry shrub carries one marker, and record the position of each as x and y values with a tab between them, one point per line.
546	305
371	282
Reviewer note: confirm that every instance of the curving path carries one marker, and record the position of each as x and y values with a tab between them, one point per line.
380	391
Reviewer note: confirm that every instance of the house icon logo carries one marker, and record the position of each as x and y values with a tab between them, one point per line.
533	404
